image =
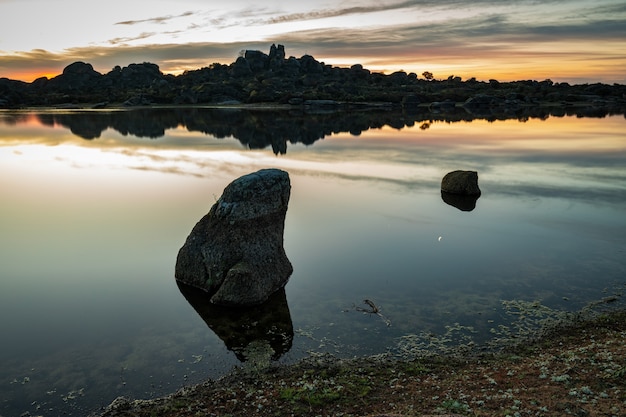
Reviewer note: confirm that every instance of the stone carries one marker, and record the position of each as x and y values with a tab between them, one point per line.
241	68
80	68
461	182
309	65
140	75
257	60
78	76
235	252
277	57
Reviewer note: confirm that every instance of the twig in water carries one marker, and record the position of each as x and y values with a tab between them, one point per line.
373	310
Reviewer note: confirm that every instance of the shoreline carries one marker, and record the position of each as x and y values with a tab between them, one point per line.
576	367
436	106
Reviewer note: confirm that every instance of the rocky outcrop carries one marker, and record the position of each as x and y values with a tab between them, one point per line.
259	77
142	75
235	252
241	68
257	60
276	57
76	76
461	182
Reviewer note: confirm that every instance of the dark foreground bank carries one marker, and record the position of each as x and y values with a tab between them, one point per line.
578	368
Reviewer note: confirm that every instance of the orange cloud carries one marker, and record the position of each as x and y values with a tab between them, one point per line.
31	74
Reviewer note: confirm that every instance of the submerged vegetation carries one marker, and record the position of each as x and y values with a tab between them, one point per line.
549	363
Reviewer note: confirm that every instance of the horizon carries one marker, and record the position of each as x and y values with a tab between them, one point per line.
574	41
347	65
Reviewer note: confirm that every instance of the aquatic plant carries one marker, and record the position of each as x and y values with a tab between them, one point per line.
522	320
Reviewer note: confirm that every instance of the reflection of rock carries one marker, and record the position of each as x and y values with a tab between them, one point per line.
235	252
461	182
261	330
262	128
462	202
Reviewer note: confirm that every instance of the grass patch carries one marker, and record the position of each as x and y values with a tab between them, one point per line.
310	395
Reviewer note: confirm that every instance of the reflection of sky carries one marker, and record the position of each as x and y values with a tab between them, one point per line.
498	150
90	230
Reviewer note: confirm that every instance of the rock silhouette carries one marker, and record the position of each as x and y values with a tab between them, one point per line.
257	77
235	253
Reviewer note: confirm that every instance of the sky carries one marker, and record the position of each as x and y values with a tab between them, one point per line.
575	41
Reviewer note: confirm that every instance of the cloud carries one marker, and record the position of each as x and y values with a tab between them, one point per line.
126	39
451	34
490	41
493	36
326	13
378	6
157	20
104	58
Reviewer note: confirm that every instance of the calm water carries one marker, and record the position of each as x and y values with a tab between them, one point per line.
96	205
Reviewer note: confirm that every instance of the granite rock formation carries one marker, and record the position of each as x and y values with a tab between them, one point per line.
258	77
235	252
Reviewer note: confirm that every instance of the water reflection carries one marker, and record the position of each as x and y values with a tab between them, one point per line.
462	202
262	128
366	220
244	330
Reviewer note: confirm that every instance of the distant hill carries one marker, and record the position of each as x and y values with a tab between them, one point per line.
257	77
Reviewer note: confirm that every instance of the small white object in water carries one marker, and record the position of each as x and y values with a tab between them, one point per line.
439	238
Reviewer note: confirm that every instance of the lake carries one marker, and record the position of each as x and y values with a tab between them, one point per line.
96	205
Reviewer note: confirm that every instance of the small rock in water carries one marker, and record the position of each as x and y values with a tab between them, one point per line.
461	182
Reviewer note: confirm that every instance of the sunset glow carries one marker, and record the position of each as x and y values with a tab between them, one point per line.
574	41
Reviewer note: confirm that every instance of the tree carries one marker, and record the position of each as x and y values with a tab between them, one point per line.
428	75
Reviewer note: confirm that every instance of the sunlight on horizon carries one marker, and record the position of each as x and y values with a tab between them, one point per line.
576	41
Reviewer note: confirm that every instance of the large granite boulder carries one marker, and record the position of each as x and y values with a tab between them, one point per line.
257	60
76	77
235	252
241	68
141	75
461	182
309	65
